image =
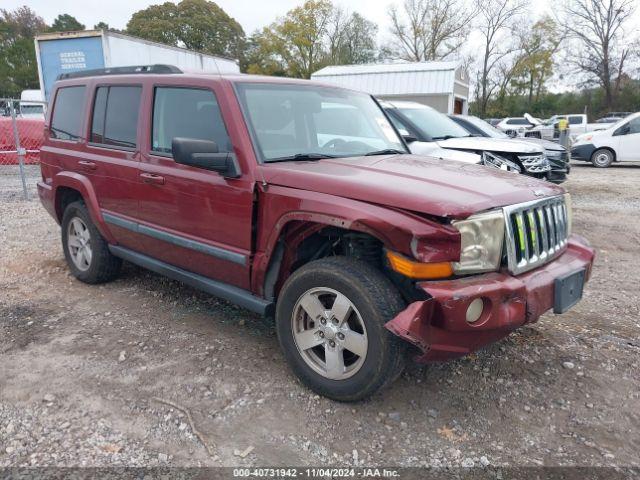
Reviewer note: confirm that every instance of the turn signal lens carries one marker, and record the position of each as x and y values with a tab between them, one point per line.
411	269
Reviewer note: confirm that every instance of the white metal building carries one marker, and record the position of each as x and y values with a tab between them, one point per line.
441	85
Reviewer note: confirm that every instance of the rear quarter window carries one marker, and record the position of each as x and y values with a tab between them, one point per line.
68	109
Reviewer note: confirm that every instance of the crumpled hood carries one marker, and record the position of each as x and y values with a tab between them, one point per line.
432	149
489	144
546	144
417	183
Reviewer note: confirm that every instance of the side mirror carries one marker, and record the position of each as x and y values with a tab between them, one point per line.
204	154
409	138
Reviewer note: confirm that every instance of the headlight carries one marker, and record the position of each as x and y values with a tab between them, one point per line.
482	236
493	160
535	163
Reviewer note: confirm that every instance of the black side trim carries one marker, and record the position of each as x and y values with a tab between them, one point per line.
180	241
240	297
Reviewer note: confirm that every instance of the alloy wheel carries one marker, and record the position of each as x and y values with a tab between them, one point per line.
79	244
329	333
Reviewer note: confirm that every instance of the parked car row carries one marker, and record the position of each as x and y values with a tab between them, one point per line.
531	127
556	154
618	143
469	139
303	202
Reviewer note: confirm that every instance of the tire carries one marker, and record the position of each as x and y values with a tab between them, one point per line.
372	300
602	158
90	261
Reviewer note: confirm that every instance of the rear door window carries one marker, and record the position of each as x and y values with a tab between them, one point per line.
67	113
115	116
187	112
575	120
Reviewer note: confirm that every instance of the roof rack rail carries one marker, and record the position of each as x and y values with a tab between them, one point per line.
139	69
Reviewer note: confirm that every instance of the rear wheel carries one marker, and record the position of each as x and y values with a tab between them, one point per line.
602	158
86	251
330	321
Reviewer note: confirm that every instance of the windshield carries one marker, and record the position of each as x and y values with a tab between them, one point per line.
621	122
432	123
291	122
485	127
31	109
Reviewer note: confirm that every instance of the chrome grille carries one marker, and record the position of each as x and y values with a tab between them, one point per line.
536	232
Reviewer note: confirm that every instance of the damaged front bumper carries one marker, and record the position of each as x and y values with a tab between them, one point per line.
438	325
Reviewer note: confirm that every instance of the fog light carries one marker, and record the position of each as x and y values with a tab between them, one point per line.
474	310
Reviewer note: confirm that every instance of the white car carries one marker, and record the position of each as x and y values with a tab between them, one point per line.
32	104
577	125
618	143
516	126
428	131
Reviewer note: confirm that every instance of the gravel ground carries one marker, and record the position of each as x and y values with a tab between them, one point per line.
88	373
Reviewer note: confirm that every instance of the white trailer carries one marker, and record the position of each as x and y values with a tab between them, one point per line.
65	52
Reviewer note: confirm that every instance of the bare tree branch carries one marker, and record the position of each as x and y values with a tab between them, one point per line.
429	29
596	29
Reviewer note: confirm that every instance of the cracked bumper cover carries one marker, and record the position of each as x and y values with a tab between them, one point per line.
438	326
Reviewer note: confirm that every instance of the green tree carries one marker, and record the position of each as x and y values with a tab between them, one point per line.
260	58
195	24
531	62
538	45
66	23
310	37
352	39
101	26
298	38
18	68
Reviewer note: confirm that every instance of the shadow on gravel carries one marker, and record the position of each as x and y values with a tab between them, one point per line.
614	166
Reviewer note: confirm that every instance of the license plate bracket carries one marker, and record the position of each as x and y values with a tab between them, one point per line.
568	291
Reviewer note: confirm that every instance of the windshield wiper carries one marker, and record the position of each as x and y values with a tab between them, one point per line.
444	137
301	157
386	151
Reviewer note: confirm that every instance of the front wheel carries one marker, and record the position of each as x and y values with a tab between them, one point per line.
86	251
602	158
330	321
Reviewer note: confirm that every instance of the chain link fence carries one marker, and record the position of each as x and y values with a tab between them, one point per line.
21	136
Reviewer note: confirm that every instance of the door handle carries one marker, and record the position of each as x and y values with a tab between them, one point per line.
152	178
87	165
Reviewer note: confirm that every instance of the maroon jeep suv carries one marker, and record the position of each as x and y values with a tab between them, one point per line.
301	200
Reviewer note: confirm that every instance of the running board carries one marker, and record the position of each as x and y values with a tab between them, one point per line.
240	297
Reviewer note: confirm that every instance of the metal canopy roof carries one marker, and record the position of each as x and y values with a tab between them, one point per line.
420	78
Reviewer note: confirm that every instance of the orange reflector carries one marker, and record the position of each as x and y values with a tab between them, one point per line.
411	269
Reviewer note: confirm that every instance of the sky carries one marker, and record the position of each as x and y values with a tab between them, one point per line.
251	14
